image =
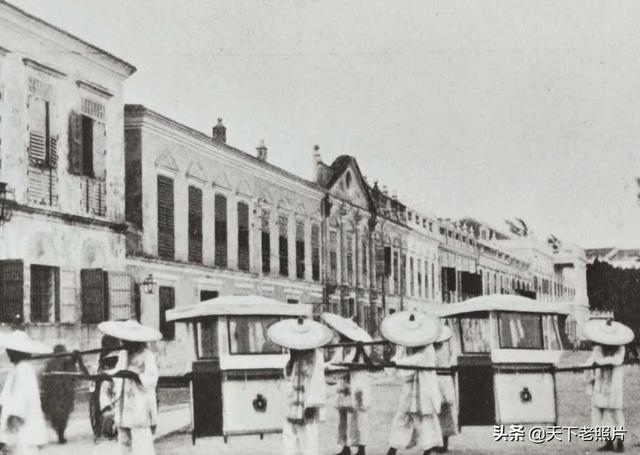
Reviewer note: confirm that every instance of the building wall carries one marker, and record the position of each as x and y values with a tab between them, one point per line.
160	147
66	231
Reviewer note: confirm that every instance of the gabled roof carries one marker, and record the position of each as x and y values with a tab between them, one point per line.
339	166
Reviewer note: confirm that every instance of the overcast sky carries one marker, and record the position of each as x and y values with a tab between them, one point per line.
495	110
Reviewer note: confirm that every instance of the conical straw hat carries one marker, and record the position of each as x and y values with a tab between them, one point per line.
411	328
130	330
300	334
346	327
608	332
20	341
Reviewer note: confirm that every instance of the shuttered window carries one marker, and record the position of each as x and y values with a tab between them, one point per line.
45	294
11	291
166	237
106	295
43	153
120	296
403	276
93	295
167	302
300	253
93	195
283	244
315	252
333	257
411	278
396	273
419	277
380	265
349	247
243	236
365	265
220	230
195	224
88	140
266	242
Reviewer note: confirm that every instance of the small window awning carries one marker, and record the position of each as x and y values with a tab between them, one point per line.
238	305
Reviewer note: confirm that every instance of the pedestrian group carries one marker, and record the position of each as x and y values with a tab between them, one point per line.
425	417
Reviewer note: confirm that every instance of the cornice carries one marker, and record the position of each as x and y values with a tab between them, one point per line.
25	22
158	124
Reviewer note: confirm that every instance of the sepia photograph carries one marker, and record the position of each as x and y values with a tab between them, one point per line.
319	227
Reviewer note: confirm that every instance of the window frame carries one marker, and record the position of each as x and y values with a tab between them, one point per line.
540	327
228	318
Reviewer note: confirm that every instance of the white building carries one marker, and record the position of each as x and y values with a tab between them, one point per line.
62	153
207	219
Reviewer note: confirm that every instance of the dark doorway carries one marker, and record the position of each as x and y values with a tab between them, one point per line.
207	399
475	385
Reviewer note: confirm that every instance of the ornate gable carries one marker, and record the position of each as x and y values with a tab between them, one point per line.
348	184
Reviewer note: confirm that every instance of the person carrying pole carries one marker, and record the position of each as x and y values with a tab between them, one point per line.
353	388
606	382
448	415
135	394
305	382
22	424
416	420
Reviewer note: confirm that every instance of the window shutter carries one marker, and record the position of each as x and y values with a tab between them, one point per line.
37	118
99	150
53	152
221	230
167	302
120	296
93	284
166	239
195	224
243	236
300	253
315	252
75	143
11	291
266	242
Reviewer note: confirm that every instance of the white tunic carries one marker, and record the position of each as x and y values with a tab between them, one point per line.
607	391
137	406
21	398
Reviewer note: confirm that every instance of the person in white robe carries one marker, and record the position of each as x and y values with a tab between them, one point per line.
353	398
606	383
22	423
306	397
448	415
606	390
135	394
352	386
305	382
416	421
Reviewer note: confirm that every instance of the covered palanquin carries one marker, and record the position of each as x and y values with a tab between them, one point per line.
237	382
507	347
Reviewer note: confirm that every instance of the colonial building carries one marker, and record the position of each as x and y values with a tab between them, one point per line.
207	219
62	254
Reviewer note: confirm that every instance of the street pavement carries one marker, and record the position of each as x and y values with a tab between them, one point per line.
573	409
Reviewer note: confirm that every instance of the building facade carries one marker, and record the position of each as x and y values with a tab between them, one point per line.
207	220
121	212
62	255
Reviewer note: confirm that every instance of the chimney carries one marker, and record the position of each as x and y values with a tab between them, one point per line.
394	195
385	191
219	132
262	151
317	164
